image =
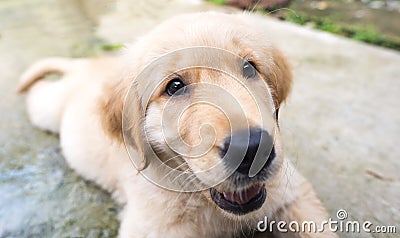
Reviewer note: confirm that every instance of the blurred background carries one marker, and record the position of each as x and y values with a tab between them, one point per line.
341	125
372	21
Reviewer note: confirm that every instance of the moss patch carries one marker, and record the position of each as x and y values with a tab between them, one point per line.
364	34
112	47
218	2
337	20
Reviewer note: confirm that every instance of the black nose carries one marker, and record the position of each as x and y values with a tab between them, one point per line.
244	148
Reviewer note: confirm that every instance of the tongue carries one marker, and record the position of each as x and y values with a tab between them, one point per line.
243	196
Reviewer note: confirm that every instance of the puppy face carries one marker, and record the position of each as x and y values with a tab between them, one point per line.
207	107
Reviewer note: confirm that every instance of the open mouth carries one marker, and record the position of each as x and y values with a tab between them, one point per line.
240	202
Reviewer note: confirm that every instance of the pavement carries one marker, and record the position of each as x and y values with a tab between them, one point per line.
341	124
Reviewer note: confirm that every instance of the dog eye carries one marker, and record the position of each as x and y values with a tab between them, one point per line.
249	69
176	87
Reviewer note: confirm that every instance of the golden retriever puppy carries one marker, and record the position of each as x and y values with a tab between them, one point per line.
182	129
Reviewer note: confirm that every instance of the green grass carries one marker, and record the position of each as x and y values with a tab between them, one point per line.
112	47
218	2
367	35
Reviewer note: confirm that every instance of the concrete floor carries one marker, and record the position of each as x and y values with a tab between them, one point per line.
341	125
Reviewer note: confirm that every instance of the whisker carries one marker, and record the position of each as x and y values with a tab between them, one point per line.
188	201
190	181
168	160
172	203
255	6
283	8
172	170
185	172
177	197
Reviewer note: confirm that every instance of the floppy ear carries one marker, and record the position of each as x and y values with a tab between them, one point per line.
111	109
279	78
122	118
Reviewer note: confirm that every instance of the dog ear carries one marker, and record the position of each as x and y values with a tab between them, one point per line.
279	77
111	109
122	118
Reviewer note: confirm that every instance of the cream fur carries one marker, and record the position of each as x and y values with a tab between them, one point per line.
72	107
